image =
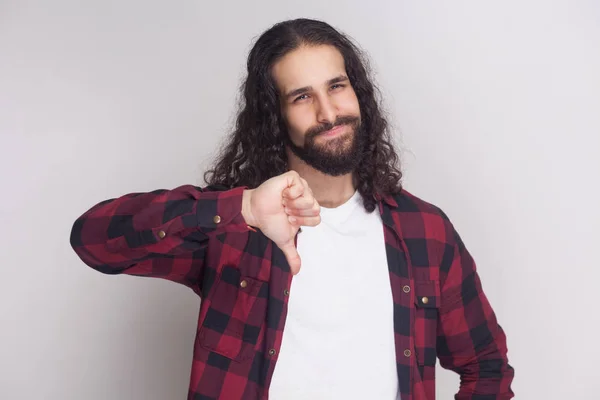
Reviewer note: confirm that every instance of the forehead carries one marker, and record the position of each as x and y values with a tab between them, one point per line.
308	66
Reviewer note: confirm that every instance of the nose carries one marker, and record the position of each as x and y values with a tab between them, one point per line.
326	110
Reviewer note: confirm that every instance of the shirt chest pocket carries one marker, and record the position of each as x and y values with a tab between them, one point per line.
427	302
235	315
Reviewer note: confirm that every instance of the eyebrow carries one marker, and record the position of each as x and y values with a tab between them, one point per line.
302	90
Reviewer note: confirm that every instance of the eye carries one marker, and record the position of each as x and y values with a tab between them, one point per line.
337	86
299	98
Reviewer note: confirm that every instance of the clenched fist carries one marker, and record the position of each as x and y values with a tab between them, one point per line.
278	208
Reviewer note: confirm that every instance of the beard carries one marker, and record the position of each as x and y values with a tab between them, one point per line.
337	156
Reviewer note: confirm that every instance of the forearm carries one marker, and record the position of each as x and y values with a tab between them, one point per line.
488	375
119	233
470	340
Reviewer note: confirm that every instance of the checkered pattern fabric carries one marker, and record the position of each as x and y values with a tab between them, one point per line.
198	237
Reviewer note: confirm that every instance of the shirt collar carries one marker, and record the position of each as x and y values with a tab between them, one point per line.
386	198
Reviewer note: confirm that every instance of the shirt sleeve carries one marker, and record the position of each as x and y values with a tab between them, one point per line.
470	340
163	233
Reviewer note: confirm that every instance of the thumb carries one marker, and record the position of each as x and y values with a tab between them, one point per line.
293	186
291	254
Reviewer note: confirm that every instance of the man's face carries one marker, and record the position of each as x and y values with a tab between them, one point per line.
320	109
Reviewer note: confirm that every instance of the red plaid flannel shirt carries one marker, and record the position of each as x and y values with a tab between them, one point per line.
198	237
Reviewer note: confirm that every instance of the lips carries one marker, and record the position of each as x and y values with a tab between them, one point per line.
334	131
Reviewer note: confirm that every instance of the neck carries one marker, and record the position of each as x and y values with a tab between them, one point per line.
329	191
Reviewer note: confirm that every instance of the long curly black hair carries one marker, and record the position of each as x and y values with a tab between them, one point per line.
255	151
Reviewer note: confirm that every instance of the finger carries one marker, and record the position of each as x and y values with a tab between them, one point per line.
305	221
294	191
301	203
307	190
305	212
304	209
292	256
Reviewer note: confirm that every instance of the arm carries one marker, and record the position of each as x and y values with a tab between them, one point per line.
470	340
163	233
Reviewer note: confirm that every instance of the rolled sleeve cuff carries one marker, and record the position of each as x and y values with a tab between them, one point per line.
221	211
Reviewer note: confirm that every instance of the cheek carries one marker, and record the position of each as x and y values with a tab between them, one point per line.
351	104
297	125
296	136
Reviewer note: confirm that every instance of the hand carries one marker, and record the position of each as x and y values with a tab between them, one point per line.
278	208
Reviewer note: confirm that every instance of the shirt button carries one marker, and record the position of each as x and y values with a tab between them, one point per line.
217	219
407	353
425	300
161	234
286	292
406	289
244	284
272	352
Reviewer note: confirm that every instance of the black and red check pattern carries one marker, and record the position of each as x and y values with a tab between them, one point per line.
198	237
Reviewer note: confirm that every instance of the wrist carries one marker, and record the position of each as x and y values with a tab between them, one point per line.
247	207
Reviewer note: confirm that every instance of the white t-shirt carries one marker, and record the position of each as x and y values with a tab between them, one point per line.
338	341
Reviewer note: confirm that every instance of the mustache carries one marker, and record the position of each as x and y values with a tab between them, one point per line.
343	120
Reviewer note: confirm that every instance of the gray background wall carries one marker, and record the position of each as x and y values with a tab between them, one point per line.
496	105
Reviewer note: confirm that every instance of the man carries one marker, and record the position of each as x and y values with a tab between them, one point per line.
359	303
